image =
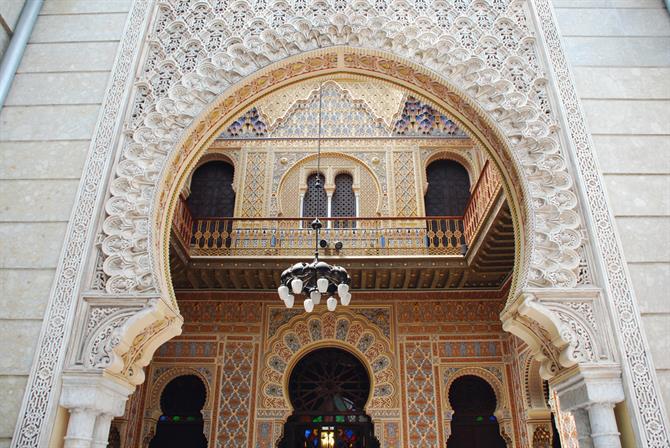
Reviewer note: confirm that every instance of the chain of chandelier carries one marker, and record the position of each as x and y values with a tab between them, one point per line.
316	279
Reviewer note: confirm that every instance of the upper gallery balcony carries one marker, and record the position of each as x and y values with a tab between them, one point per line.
472	250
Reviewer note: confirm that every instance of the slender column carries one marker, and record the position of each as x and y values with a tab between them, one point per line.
101	431
583	428
80	428
329	194
93	400
590	394
604	431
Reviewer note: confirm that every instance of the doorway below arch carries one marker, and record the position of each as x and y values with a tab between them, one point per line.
181	424
473	424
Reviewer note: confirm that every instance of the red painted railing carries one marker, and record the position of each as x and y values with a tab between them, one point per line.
183	222
483	196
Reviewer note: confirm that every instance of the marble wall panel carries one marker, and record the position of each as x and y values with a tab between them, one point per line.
78	27
618	52
57	88
67	57
69	122
613	22
651	298
645	239
31	245
85	7
37	200
623	82
639	195
43	160
24	292
633	153
11	393
622	117
21	337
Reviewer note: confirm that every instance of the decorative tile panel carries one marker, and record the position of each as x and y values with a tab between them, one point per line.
235	398
420	387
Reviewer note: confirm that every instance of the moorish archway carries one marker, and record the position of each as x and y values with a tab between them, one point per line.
504	101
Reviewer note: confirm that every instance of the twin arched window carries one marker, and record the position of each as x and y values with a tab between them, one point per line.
341	204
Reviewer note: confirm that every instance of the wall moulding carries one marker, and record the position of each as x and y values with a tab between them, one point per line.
205	63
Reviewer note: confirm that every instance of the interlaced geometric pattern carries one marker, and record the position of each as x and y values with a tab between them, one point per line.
405	184
253	201
344	199
421	408
235	397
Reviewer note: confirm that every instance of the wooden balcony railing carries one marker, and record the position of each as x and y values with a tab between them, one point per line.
440	235
483	196
183	222
360	236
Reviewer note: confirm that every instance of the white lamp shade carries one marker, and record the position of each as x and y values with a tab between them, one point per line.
289	301
345	298
315	296
331	303
296	286
342	288
322	284
309	305
283	292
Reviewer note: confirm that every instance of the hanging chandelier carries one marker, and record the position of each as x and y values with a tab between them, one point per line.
318	278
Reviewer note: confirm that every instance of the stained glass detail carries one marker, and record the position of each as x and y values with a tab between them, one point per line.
249	125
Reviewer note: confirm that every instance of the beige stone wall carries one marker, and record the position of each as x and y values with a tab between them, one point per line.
45	131
620	55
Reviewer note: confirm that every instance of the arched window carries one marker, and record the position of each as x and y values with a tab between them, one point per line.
328	389
181	422
212	193
448	189
315	202
473	424
344	198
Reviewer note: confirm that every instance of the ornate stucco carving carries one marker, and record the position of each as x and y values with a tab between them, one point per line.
500	73
562	328
441	41
122	339
345	329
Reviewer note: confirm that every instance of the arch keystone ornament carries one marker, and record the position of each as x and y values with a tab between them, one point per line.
499	71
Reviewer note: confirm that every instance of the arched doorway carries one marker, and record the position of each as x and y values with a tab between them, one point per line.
473	424
448	188
181	424
328	389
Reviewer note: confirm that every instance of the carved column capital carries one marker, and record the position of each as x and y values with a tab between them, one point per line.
121	335
563	327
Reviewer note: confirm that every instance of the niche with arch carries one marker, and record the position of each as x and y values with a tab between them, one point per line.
360	192
448	189
212	193
473	424
181	422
